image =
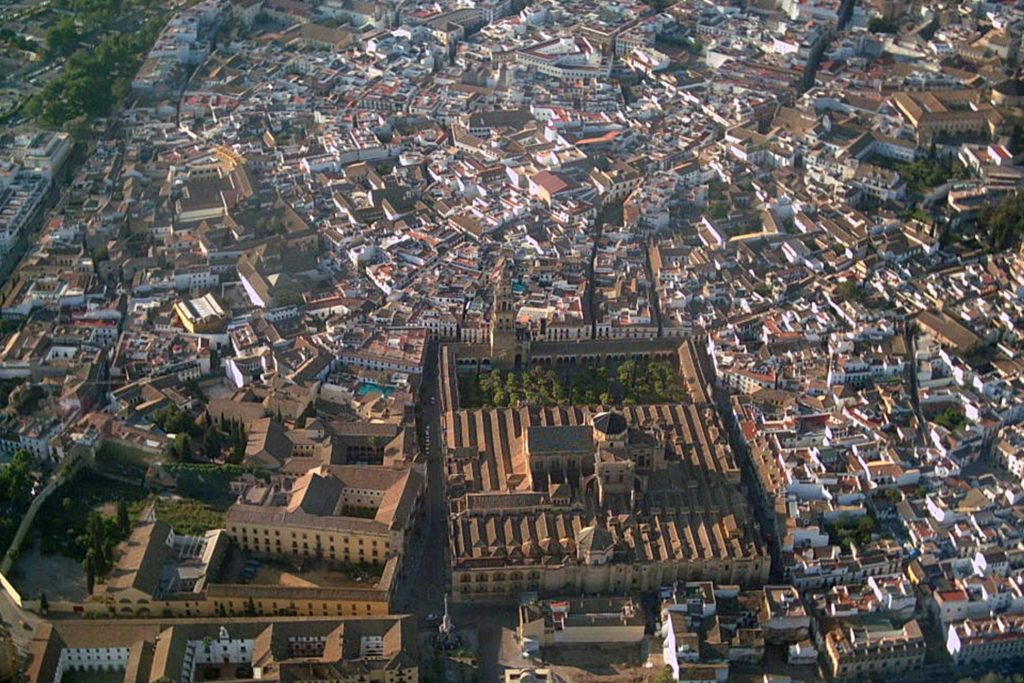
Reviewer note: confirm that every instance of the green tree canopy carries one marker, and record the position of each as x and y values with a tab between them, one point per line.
92	80
1004	222
62	39
15	495
881	25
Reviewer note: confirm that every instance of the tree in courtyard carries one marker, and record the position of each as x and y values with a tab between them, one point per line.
123	522
94	536
238	441
183	447
212	442
500	398
665	676
89	565
951	418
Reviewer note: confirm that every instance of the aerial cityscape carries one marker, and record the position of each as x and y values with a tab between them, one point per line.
511	341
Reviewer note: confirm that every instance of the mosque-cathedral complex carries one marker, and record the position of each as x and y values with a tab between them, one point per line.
576	499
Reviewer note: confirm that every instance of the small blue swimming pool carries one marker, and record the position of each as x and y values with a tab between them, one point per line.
373	388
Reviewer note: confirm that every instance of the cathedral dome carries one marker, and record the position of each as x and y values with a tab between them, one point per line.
610	423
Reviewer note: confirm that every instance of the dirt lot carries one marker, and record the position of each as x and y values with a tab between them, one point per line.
60	577
272	576
310	578
585	664
218	390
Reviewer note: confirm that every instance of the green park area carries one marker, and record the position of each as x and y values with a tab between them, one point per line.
88	516
101	44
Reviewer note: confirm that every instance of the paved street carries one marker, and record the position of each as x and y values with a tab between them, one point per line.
423	588
13	619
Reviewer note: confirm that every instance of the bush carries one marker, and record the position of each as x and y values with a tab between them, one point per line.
665	676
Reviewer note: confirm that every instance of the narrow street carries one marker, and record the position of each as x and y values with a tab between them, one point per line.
911	343
421	590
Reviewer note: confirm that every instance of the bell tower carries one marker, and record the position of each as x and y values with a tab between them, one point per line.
503	323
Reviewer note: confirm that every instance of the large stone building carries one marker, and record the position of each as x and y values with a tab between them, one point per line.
154	564
949	112
869	645
356	650
346	513
158	573
577	500
989	639
579	621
